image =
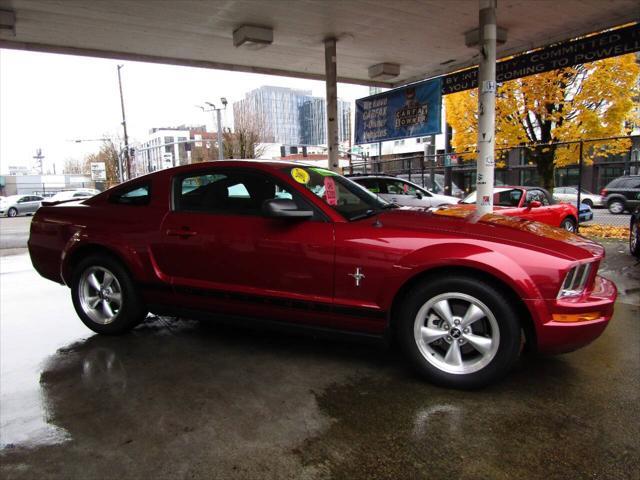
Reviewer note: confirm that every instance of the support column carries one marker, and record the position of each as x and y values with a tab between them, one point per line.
332	103
486	106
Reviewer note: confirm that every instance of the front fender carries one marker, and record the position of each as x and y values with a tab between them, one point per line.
477	256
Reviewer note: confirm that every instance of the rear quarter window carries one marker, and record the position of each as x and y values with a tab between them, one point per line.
134	195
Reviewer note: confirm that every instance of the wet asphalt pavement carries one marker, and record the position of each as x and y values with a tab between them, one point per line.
184	399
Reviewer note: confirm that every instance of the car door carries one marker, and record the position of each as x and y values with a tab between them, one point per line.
544	212
220	252
22	205
403	193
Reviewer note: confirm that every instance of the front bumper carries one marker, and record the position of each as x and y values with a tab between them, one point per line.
573	323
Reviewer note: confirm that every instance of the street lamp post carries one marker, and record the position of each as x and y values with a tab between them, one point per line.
218	116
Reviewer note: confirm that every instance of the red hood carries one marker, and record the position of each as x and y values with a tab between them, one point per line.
467	223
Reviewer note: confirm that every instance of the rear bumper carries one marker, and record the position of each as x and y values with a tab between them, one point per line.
573	323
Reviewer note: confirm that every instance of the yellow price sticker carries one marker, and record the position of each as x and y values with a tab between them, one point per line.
300	175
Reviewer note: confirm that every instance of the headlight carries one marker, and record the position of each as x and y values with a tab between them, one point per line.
576	281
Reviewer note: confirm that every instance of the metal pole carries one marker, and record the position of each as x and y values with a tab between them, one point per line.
124	126
332	102
486	106
220	149
579	183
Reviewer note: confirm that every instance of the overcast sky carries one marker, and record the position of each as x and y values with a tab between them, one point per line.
47	101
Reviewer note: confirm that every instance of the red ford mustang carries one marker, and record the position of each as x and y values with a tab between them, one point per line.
531	203
300	245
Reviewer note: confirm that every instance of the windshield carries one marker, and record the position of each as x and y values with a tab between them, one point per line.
348	198
502	197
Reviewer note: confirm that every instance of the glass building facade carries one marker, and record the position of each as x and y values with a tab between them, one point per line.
291	117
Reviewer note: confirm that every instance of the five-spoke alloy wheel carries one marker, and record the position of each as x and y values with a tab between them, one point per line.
459	331
105	296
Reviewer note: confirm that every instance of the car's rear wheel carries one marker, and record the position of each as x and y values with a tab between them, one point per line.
569	224
634	238
460	332
587	202
105	297
12	212
616	206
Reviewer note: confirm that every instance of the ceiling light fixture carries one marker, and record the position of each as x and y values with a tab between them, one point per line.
384	71
252	37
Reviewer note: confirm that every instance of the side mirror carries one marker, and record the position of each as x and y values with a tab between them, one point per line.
534	204
418	195
284	208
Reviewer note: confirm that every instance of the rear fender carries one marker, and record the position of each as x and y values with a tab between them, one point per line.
80	246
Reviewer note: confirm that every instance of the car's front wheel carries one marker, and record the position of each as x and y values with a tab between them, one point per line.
569	224
12	212
460	332
616	206
105	296
587	202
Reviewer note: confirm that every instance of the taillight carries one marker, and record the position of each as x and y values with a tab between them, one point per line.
603	192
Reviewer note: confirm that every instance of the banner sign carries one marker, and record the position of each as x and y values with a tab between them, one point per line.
589	49
98	171
411	111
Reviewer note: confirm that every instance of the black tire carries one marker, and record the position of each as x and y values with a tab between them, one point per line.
12	212
132	310
587	202
508	345
616	206
634	238
568	224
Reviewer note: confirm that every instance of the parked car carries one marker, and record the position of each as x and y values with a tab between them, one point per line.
622	194
15	205
570	194
303	246
402	192
78	194
531	203
634	233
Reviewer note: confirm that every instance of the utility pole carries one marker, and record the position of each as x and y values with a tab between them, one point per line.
40	160
124	126
218	116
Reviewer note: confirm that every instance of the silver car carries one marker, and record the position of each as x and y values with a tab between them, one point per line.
15	205
570	195
402	192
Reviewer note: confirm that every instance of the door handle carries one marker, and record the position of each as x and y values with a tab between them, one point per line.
181	233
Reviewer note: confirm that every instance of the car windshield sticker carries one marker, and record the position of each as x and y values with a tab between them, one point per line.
330	193
300	175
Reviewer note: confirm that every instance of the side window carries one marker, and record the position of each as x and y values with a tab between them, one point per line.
370	184
134	195
634	184
234	193
537	195
397	187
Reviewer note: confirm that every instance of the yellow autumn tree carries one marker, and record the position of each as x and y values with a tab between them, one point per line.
589	101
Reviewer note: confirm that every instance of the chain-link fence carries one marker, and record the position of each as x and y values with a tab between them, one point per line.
601	173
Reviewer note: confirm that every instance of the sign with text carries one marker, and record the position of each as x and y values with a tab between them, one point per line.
98	171
566	54
411	111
